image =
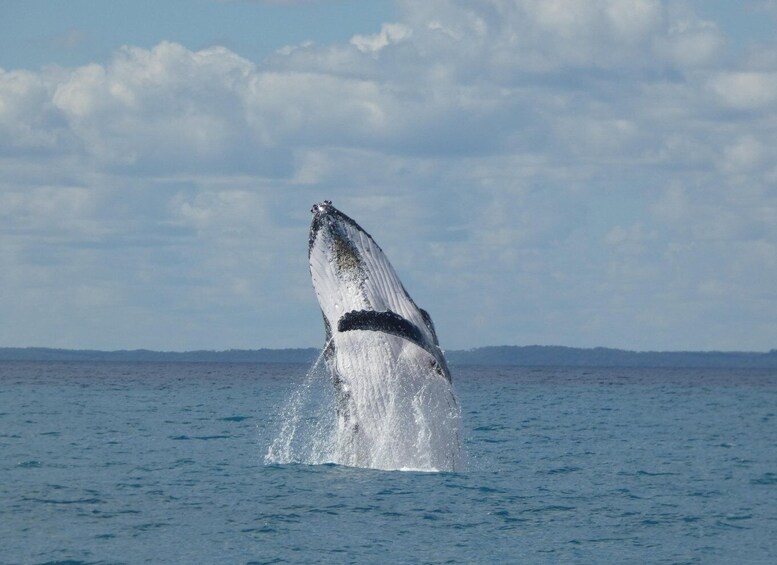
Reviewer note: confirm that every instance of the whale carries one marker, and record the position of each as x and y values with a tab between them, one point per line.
394	402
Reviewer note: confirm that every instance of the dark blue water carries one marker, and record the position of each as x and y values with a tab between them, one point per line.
163	463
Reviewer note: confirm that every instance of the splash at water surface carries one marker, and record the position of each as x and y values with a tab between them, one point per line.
406	420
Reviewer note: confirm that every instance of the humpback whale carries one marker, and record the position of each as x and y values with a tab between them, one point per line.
394	401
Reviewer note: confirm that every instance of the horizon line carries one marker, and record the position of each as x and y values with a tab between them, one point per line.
470	349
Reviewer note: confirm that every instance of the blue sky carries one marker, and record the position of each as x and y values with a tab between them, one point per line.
78	32
556	172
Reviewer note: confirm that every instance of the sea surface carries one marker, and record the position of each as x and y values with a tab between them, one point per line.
165	463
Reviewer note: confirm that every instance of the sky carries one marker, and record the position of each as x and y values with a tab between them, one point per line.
555	172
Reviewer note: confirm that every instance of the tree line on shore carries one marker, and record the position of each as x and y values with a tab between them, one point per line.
508	355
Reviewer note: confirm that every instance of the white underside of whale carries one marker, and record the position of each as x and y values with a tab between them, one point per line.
401	413
397	410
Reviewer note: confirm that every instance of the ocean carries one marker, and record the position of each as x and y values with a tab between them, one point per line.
112	463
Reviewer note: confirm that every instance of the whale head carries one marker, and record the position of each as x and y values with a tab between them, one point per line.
337	236
337	247
358	289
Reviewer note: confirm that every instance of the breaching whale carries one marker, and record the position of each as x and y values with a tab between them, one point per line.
395	404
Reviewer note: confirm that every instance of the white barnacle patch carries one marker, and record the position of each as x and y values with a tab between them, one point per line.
347	259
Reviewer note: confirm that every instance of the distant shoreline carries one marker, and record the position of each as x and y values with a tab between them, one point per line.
509	355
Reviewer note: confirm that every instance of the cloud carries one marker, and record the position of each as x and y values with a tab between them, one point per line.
164	109
745	90
544	172
71	39
389	33
506	39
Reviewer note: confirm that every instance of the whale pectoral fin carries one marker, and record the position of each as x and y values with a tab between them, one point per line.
429	324
386	322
